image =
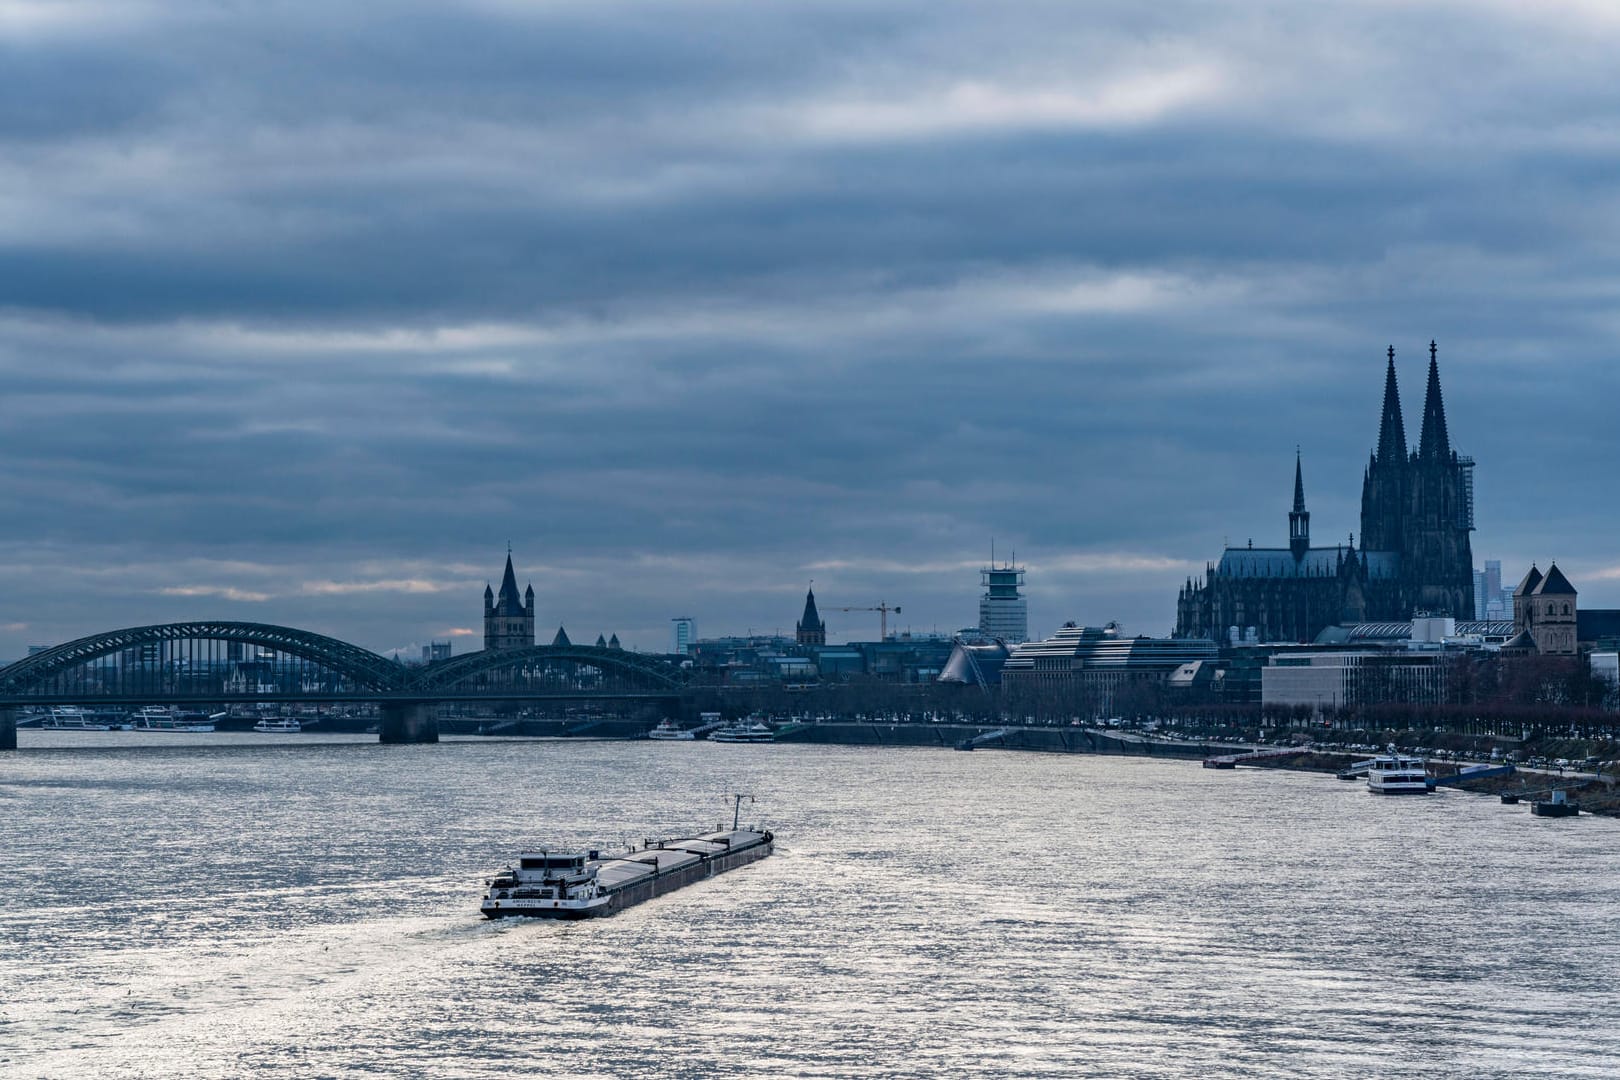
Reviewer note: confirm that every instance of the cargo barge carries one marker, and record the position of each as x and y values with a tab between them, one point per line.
586	885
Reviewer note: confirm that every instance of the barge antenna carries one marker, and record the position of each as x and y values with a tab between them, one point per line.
736	809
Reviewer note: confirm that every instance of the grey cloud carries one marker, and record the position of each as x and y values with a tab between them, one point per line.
689	300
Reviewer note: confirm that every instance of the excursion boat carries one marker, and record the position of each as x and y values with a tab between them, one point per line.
163	718
754	732
1397	774
668	731
587	885
72	718
280	725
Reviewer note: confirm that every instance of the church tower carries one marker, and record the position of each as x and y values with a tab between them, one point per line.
1299	519
508	618
810	629
1384	485
1437	558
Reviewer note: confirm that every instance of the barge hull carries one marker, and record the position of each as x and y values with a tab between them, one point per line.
642	889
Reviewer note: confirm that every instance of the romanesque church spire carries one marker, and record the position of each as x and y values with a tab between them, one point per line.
1434	442
508	617
509	583
1299	519
810	630
1391	429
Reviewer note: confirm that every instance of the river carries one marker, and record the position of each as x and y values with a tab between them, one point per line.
306	905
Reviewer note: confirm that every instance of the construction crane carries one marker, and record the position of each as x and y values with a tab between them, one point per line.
883	610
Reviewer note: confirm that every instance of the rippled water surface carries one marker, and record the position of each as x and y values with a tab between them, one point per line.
215	905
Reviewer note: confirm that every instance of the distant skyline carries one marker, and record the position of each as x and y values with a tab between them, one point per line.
305	312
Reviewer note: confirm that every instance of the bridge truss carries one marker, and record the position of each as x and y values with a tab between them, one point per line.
233	662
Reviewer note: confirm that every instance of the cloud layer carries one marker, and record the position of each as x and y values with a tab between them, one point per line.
305	313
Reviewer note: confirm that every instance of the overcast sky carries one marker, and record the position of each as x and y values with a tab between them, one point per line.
306	310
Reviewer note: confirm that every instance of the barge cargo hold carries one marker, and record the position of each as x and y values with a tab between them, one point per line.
575	885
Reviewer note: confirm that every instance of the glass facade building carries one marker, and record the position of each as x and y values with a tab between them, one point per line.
1003	610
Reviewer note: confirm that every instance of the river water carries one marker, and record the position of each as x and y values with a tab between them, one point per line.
219	905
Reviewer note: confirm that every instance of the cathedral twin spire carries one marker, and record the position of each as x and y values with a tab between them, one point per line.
1434	441
1391	429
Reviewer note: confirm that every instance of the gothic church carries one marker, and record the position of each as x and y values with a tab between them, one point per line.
1417	509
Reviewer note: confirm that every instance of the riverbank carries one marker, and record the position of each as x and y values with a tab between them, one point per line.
1594	795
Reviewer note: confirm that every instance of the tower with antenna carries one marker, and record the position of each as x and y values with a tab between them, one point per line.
1003	610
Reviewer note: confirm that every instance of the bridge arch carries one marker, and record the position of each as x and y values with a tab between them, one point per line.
523	671
40	674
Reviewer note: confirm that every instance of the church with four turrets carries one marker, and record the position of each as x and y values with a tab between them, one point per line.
508	618
1417	510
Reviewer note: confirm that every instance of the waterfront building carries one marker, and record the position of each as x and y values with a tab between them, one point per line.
1423	633
975	663
1606	666
684	630
1417	510
1323	681
810	630
1003	609
1091	664
508	619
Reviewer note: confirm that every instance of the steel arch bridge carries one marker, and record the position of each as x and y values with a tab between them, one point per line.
231	662
548	670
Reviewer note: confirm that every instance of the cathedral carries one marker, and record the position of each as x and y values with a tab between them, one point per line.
1417	509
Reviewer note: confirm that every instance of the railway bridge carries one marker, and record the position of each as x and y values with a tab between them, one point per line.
227	663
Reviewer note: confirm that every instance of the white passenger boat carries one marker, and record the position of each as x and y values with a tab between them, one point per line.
1397	774
72	718
668	731
279	725
754	732
164	718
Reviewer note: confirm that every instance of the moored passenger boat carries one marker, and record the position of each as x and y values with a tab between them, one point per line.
667	731
280	725
164	718
72	718
1397	774
754	732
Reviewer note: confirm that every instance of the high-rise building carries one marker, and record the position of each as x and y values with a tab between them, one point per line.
508	619
1498	603
1003	610
435	650
685	631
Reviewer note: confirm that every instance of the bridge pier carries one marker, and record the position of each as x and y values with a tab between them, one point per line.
8	729
409	722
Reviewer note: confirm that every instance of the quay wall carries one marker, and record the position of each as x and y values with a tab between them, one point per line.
1055	740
